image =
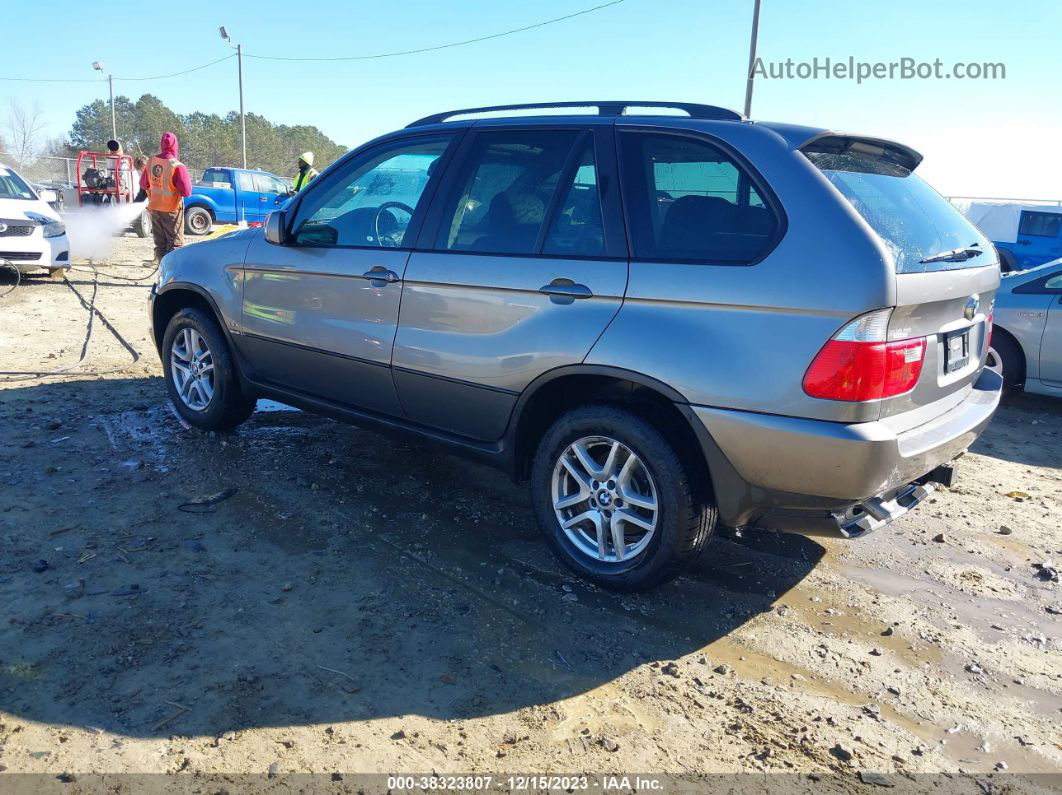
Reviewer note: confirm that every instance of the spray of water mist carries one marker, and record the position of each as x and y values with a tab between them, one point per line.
92	230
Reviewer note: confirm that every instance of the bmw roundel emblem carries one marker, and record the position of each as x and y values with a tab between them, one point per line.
971	307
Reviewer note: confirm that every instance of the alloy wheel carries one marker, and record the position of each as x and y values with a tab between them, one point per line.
605	499
192	369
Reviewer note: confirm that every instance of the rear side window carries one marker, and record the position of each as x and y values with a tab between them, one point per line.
689	200
505	191
1040	224
576	230
913	221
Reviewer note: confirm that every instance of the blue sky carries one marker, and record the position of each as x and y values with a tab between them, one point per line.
994	138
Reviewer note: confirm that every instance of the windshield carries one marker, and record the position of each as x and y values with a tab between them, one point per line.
913	220
12	186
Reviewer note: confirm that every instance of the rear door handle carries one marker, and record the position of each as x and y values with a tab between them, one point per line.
565	288
380	275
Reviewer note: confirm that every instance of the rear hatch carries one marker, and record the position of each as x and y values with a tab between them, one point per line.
947	272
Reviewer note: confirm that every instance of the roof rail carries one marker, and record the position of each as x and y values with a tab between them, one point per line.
616	108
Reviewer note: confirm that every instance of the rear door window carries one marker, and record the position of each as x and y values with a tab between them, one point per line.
911	218
504	191
576	229
689	200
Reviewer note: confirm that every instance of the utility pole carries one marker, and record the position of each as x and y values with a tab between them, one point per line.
110	82
243	123
752	57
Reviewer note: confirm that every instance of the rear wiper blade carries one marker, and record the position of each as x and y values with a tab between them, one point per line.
955	255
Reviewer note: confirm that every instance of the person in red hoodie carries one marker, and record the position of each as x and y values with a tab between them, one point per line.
167	184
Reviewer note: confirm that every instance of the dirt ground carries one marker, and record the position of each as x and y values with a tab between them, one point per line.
359	605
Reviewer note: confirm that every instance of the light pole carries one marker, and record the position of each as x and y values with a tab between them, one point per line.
752	57
239	60
110	81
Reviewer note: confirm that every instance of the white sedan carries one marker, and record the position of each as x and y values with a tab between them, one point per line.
31	234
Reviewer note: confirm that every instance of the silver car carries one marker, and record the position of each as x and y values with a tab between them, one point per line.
1026	348
663	322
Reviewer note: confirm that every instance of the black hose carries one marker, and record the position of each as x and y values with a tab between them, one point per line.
93	312
18	277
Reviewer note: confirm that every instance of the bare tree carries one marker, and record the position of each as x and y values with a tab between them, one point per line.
24	131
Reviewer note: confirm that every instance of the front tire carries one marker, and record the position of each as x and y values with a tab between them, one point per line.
615	500
200	374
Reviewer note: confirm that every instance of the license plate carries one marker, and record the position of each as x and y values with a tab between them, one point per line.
956	351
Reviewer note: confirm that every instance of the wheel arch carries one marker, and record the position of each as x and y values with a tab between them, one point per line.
565	388
998	332
176	296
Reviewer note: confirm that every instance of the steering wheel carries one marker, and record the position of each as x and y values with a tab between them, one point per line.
379	214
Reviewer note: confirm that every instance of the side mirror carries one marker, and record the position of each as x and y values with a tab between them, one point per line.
48	196
274	228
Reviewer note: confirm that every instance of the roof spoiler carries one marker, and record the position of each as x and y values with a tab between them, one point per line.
875	148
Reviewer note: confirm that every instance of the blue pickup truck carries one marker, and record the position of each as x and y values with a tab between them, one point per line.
232	195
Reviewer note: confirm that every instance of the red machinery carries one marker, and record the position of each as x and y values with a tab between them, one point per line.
105	178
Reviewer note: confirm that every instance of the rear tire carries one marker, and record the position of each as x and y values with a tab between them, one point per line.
645	470
1006	358
198	220
200	373
1007	260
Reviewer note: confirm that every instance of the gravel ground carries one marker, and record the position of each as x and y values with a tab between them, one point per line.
354	604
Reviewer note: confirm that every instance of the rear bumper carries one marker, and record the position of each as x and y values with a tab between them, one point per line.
790	467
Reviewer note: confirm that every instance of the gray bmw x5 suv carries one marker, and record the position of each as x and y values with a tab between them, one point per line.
663	315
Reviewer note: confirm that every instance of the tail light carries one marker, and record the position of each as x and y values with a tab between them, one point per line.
859	364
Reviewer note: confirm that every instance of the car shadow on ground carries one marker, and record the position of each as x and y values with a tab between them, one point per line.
337	575
1020	410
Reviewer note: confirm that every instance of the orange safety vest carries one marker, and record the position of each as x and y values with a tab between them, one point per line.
162	195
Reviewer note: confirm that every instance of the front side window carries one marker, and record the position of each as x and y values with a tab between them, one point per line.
265	183
690	201
1040	224
504	193
372	202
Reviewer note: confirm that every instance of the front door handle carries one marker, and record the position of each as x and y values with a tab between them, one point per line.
565	288
379	275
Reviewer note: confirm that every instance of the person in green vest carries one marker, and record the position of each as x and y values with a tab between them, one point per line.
306	172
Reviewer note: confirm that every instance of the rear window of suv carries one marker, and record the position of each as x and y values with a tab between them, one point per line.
911	218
